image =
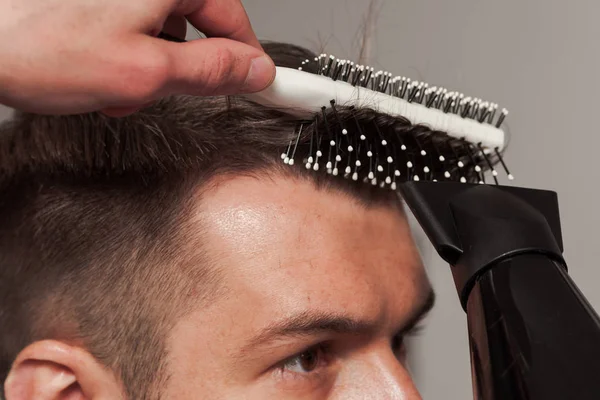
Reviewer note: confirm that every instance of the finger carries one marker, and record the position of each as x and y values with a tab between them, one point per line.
147	68
216	66
222	18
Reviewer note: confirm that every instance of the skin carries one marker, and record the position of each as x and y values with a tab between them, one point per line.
103	54
319	292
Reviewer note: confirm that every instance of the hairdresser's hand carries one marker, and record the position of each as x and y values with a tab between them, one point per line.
72	56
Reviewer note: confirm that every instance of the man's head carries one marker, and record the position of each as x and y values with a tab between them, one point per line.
171	254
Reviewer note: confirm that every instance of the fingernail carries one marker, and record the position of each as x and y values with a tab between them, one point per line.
261	74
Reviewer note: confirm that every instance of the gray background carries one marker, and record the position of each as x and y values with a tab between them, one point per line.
539	58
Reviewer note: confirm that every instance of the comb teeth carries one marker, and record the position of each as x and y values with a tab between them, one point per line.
412	91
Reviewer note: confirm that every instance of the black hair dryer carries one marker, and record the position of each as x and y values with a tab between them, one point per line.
532	334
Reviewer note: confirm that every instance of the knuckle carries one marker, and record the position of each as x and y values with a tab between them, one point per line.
148	76
218	71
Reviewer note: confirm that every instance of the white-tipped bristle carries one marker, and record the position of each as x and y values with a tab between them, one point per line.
379	168
308	165
409	164
338	158
348	170
329	165
426	170
310	160
416	178
291	162
371	175
442	158
374	182
369	153
358	163
511	177
332	143
403	147
481	182
384	142
460	164
393	186
286	160
344	132
363	137
388	180
447	174
397	173
463	179
494	172
390	160
423	153
316	167
350	149
477	168
283	156
335	172
319	153
355	176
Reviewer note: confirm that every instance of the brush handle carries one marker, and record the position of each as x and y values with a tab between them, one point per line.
304	94
532	334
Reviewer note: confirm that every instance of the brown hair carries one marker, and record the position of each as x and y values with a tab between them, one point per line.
91	206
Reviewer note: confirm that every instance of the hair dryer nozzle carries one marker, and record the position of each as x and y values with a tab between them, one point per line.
475	226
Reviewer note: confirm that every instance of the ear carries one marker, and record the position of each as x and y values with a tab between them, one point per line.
52	370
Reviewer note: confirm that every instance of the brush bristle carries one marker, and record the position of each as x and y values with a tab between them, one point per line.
384	151
410	90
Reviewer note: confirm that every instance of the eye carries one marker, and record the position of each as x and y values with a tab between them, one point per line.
306	362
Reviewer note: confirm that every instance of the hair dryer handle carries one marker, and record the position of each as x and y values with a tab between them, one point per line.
532	334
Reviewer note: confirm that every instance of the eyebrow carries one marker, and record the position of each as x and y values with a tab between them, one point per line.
313	323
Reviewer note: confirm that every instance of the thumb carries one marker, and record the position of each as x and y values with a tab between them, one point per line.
217	66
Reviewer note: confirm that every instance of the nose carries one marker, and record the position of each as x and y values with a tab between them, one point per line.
377	376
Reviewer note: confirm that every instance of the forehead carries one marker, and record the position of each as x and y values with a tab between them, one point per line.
286	243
